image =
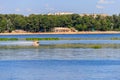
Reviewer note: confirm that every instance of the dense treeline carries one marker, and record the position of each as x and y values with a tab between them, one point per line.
45	23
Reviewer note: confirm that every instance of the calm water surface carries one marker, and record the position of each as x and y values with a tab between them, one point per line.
62	36
60	63
88	36
60	54
60	70
54	42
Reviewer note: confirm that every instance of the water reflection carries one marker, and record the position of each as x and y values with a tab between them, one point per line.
59	54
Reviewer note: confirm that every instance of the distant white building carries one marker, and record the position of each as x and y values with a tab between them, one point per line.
84	14
94	15
60	13
63	13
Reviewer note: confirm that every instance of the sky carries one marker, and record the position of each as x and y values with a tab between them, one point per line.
27	7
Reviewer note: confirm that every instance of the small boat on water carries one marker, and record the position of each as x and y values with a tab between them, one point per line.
36	43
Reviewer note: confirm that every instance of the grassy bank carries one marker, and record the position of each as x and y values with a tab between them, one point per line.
33	39
27	39
93	46
38	39
8	39
115	38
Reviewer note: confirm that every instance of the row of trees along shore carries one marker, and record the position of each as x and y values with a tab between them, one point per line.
45	23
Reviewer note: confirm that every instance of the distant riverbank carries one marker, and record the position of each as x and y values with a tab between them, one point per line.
81	32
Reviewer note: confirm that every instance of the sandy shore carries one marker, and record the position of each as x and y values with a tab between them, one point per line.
82	32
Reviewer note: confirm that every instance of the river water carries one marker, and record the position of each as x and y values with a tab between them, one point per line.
60	63
62	36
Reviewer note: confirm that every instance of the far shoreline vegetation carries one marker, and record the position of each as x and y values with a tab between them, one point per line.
46	23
